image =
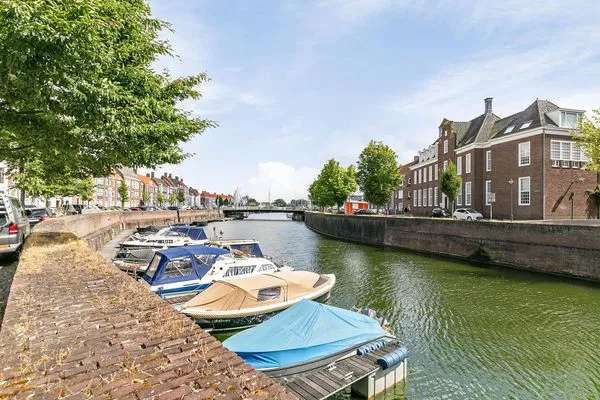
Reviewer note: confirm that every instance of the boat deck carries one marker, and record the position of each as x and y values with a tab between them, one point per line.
324	382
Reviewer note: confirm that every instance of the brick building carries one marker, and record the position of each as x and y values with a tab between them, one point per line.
526	165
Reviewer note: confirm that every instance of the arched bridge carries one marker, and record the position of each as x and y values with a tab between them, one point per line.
242	211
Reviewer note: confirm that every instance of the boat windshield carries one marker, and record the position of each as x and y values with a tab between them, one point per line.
205	259
152	267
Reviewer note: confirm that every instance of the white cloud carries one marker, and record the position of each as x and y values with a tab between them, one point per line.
281	179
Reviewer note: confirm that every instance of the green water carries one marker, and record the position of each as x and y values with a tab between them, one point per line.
474	332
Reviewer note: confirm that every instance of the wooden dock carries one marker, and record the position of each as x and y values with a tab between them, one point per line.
326	381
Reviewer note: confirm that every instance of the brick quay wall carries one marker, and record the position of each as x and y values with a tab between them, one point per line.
553	248
76	327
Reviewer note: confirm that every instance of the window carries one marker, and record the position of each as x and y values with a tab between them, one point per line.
425	198
524	191
420	176
178	267
430	197
414	198
509	129
459	195
430	173
445	165
468	163
488	160
420	197
459	165
1	175
526	124
435	172
445	146
569	119
467	193
566	154
416	178
268	293
488	191
435	196
524	154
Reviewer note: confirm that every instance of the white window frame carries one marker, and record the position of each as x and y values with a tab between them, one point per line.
435	196
468	164
486	192
445	146
416	177
459	196
445	165
419	199
435	172
521	180
430	197
414	198
430	173
459	165
488	160
468	194
521	146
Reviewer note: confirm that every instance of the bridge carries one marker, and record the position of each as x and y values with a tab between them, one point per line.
241	211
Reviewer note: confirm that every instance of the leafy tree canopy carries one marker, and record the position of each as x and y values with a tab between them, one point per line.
450	182
589	137
279	203
378	174
180	196
251	201
333	185
77	91
123	192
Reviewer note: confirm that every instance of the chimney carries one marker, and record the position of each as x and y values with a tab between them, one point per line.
152	174
488	105
147	175
170	175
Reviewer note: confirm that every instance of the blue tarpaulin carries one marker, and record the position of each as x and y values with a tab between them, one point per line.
305	332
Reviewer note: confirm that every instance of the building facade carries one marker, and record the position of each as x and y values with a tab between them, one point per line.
525	166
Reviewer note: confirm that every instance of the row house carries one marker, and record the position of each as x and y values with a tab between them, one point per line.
524	166
209	200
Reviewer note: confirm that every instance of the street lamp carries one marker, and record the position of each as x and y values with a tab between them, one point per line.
511	182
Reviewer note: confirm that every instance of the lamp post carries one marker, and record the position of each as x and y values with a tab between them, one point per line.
511	182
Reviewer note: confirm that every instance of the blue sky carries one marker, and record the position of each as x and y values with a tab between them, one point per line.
295	83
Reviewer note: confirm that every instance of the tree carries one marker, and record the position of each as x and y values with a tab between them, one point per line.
378	175
123	193
78	91
251	202
589	138
226	202
145	196
450	183
85	189
333	185
172	199
279	203
299	203
180	196
219	201
160	198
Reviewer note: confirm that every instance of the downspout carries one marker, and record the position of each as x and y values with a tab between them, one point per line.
543	173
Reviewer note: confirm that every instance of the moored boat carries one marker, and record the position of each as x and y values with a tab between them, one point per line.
306	336
228	305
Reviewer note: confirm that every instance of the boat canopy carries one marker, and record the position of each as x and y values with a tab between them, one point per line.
255	291
193	232
183	263
249	249
307	331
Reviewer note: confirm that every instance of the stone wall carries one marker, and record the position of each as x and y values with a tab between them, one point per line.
76	327
569	250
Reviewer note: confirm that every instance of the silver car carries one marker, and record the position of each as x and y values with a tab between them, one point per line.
14	225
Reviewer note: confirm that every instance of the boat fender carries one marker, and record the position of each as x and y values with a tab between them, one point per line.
369	347
393	358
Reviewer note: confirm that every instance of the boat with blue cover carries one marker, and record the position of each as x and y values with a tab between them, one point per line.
306	336
187	270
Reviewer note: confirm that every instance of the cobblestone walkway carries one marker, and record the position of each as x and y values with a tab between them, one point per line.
7	271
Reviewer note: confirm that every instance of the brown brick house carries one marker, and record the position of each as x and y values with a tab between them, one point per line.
526	162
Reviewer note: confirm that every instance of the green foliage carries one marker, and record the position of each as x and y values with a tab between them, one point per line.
378	174
299	203
123	191
172	199
78	93
279	203
160	199
85	189
252	202
180	196
450	182
226	202
589	137
145	196
333	185
219	201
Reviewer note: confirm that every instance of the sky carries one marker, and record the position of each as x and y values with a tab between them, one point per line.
295	83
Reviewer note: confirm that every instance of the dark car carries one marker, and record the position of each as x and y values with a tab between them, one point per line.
37	215
439	212
365	211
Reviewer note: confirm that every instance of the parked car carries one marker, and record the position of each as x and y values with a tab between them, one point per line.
468	214
14	225
439	212
365	211
37	215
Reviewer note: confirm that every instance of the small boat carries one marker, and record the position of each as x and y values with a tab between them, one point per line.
187	270
306	336
238	304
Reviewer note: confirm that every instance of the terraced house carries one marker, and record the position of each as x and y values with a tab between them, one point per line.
524	166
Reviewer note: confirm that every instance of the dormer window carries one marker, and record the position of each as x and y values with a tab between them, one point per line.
569	119
509	129
526	125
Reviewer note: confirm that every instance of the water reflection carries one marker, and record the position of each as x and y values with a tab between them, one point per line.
473	331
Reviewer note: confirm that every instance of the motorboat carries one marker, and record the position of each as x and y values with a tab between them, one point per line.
241	303
306	336
135	253
187	270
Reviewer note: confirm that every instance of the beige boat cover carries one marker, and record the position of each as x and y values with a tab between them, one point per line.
244	293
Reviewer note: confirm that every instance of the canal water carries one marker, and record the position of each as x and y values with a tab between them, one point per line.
473	331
